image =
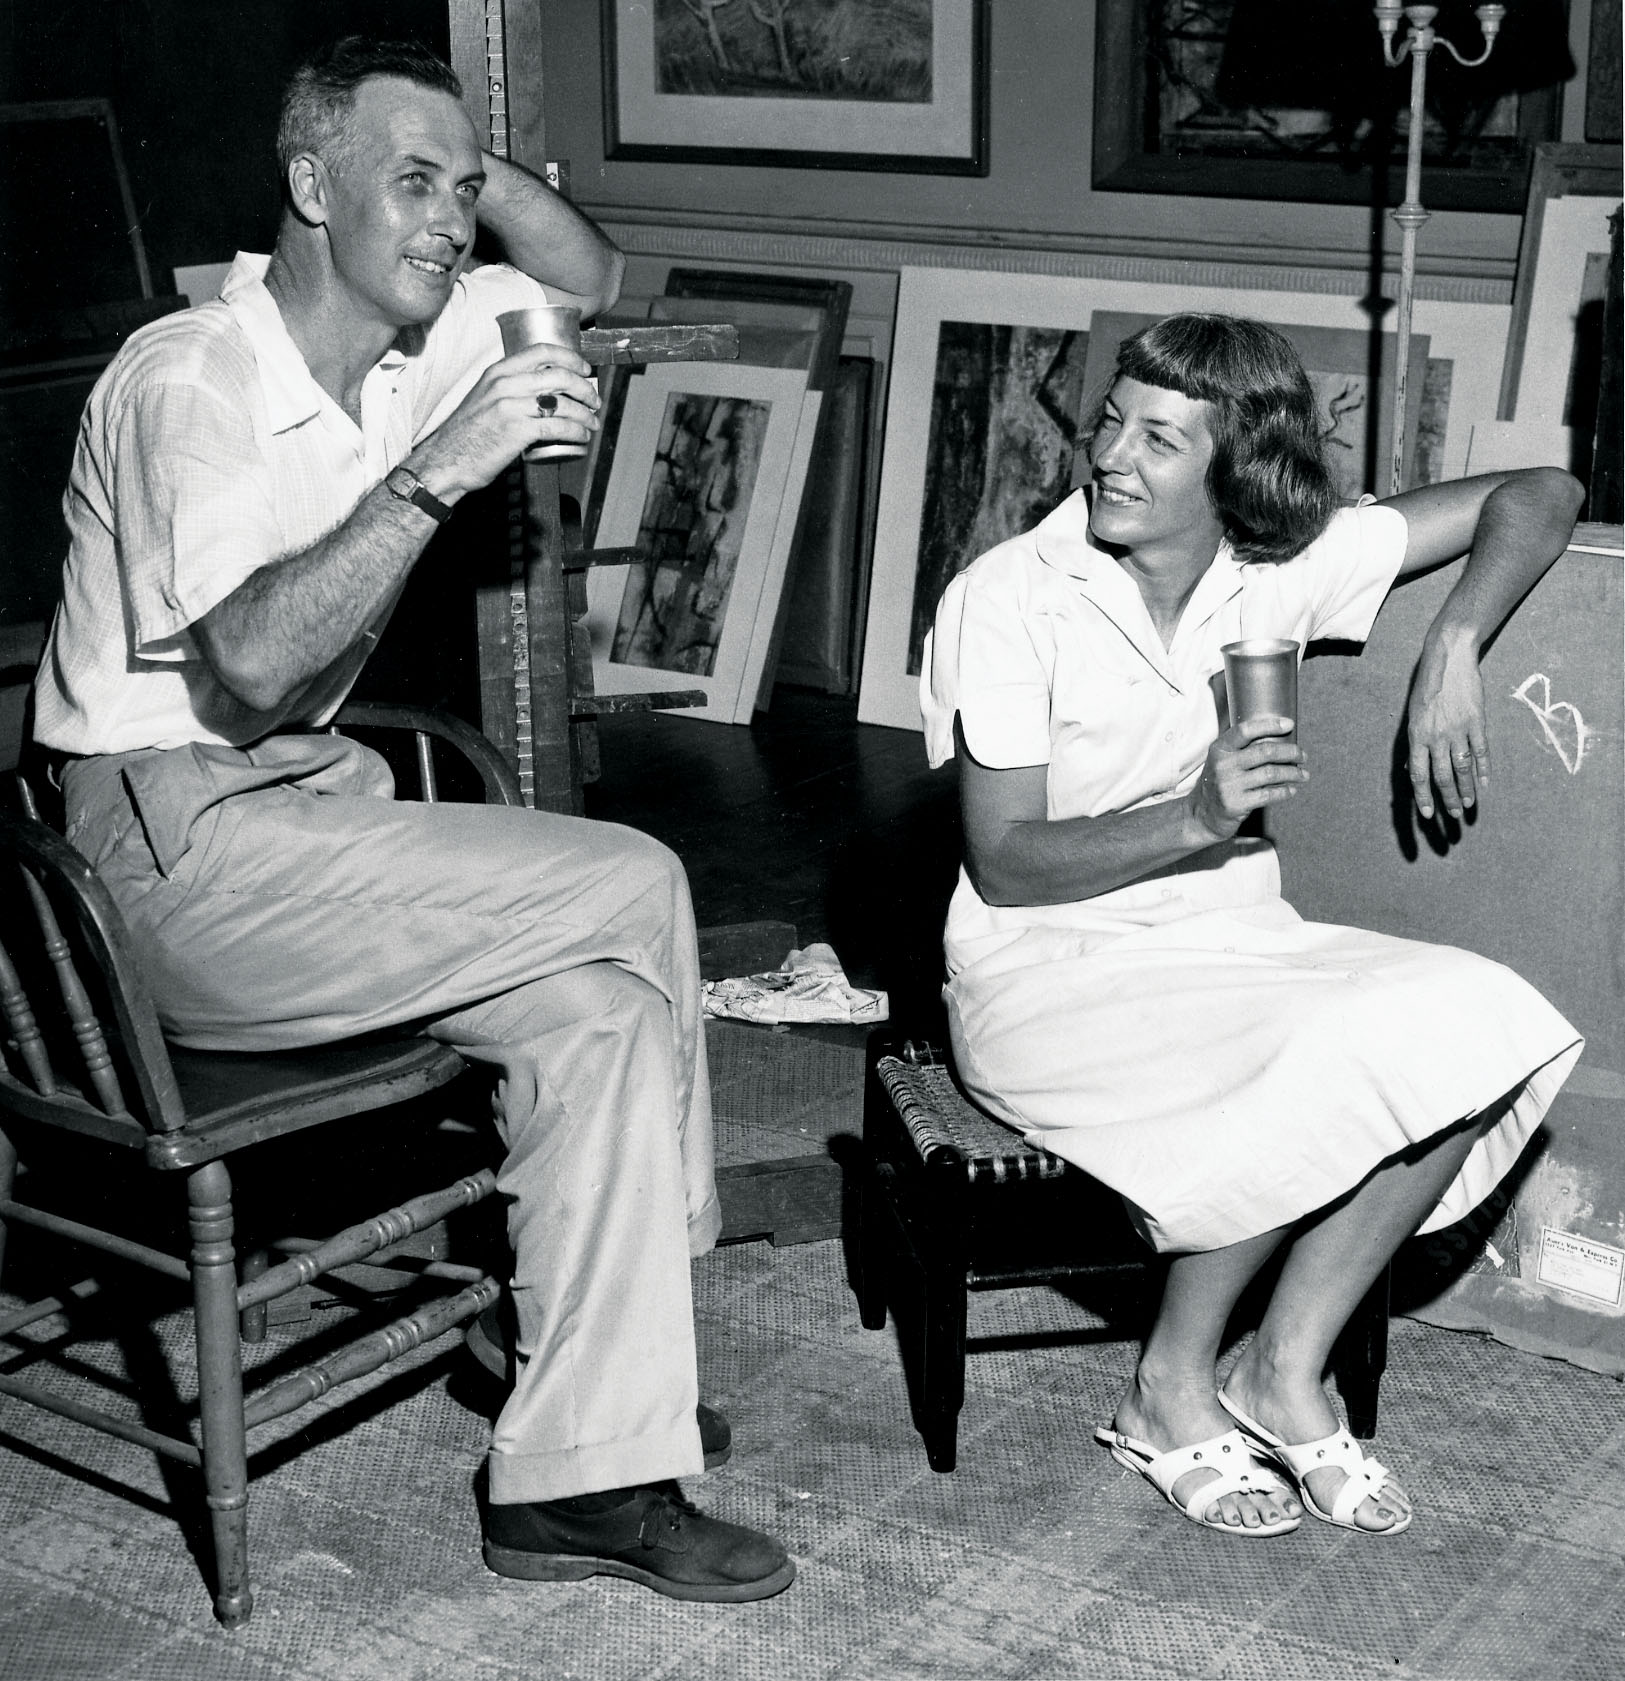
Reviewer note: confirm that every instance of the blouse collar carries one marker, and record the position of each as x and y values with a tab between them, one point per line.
1061	540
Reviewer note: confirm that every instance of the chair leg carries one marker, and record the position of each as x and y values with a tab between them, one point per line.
942	1381
220	1384
873	1247
8	1175
1361	1356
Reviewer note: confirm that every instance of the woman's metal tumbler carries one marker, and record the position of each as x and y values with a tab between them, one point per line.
1261	680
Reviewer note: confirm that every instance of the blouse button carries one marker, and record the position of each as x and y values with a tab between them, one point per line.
1169	736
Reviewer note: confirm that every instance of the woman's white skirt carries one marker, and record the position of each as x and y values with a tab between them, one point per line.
1232	1070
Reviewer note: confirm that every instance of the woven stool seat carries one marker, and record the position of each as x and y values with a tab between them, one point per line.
951	1200
940	1118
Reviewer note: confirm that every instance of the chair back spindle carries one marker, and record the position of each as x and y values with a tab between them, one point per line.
82	1018
24	1029
429	790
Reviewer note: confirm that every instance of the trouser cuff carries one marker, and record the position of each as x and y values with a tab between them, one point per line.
519	1477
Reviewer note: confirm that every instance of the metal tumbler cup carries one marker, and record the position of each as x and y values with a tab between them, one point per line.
545	324
1261	680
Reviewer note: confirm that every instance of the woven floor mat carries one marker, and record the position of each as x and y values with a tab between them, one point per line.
1038	1558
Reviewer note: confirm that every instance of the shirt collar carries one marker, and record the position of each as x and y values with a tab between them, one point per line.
292	395
1062	542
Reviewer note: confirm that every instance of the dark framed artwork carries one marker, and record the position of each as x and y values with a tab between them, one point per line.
817	84
1268	99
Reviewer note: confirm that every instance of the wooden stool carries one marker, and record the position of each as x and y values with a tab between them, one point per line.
951	1201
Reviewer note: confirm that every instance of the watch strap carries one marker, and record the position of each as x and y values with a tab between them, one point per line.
403	483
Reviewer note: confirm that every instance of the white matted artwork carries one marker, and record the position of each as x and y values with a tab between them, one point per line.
1562	303
983	428
706	481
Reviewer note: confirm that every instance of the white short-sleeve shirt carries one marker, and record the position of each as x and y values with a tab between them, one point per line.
1046	652
207	450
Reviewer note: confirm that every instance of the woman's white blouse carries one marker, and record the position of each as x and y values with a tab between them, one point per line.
1044	649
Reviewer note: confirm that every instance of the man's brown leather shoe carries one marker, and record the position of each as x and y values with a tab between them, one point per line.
489	1338
653	1536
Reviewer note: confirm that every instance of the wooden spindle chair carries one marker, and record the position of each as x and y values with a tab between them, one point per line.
86	1064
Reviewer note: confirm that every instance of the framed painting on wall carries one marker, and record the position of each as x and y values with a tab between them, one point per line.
706	480
800	83
1261	99
990	395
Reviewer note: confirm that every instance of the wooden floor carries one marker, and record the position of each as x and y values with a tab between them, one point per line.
807	817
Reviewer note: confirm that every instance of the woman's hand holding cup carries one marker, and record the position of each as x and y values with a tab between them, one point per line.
1251	765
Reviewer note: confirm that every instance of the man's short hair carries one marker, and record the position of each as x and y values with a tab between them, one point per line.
319	100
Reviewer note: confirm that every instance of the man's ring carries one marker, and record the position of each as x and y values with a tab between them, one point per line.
1462	754
547	404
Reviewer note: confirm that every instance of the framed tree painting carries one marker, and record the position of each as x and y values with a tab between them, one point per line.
824	84
706	481
995	376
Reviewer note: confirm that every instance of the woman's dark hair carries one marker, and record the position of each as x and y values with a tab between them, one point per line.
1268	481
319	100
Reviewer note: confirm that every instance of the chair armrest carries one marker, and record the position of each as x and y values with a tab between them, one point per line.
501	784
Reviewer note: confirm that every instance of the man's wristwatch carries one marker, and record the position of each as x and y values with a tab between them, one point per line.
402	482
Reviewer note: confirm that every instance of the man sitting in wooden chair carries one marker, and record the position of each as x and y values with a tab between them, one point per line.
254	480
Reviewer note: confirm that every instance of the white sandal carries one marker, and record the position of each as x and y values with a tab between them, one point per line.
1366	1477
1229	1455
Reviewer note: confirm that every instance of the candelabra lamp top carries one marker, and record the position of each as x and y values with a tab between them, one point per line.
1423	37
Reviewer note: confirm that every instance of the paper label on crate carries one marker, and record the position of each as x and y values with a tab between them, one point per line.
1581	1266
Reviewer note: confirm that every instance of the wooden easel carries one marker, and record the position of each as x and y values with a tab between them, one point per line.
537	702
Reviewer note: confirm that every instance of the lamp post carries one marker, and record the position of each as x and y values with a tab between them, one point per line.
1418	43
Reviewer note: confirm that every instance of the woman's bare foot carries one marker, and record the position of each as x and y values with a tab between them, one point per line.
1175	1414
1297	1410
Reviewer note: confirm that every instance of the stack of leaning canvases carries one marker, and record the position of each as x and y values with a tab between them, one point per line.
703	467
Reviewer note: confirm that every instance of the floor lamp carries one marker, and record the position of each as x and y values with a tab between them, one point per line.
1410	215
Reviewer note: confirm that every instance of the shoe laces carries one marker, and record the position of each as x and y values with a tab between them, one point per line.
669	1503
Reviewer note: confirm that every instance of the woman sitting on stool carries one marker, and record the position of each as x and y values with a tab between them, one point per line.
1126	984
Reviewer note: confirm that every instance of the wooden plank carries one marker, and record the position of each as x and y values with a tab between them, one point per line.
527	67
498	644
467	24
650	700
795	1200
554	755
629	346
578	560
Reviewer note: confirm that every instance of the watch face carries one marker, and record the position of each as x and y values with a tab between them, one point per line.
403	483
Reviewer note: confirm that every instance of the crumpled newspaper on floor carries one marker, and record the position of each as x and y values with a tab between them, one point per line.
809	986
